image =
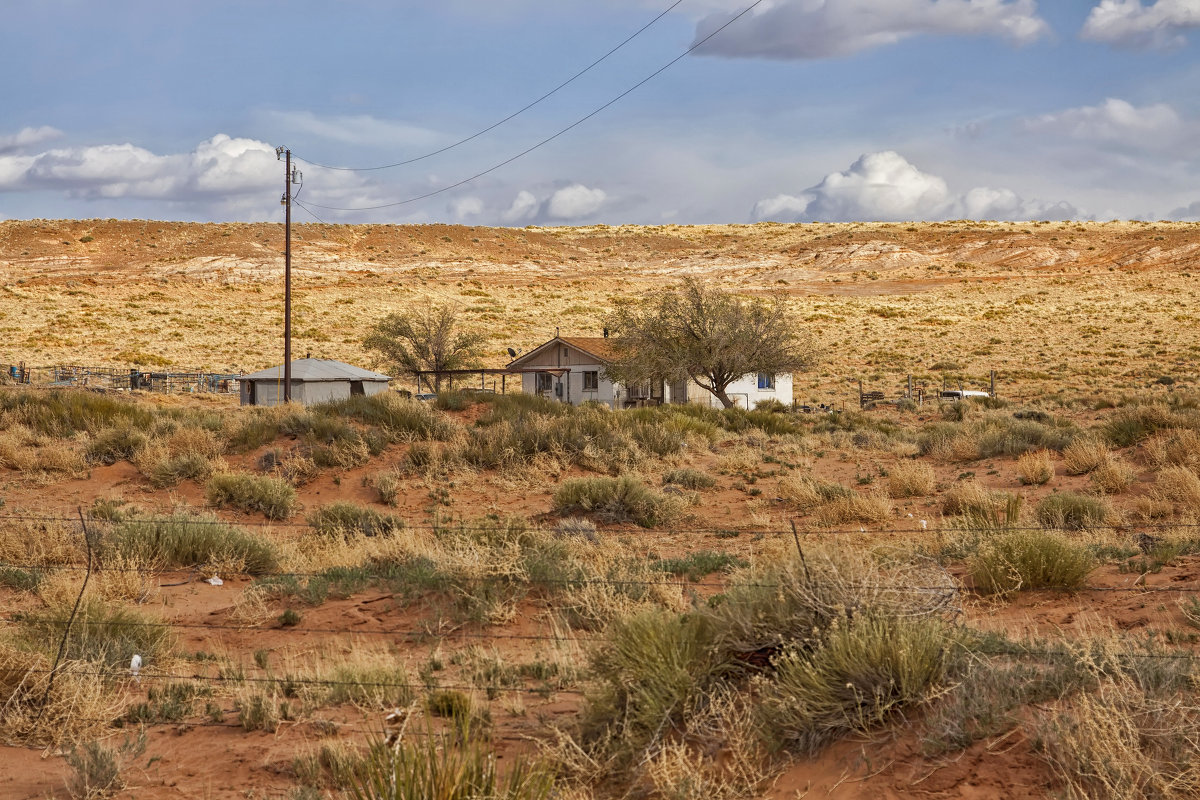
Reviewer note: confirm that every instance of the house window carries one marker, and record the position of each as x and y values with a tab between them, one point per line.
591	381
545	381
766	380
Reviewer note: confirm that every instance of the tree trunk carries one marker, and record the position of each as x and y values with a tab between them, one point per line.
719	393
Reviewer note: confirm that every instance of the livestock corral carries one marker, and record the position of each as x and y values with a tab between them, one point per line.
498	594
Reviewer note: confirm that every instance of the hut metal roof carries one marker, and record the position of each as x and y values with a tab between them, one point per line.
312	370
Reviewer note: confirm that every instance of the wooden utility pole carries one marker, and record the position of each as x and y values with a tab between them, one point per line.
287	274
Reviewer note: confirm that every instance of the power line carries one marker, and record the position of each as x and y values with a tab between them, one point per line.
516	113
554	136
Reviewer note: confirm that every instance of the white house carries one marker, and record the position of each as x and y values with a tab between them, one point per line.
571	369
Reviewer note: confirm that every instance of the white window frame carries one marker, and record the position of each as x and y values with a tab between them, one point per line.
591	380
767	385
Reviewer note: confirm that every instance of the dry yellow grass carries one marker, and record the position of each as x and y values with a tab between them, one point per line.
1035	468
190	295
910	479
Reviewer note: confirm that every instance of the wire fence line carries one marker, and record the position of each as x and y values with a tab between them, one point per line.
683	582
484	527
234	680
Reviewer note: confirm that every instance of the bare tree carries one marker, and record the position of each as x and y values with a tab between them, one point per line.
708	335
425	341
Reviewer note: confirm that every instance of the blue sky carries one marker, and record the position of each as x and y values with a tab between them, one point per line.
799	110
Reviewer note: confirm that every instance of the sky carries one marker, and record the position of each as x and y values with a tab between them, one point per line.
794	111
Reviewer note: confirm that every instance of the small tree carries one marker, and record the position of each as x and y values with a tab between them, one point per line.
425	341
708	335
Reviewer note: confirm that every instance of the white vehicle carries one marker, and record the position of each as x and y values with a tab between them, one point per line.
963	394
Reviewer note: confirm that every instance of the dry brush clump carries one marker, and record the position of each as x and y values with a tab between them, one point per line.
910	478
619	499
1035	468
273	497
833	503
188	540
1029	559
795	626
1174	448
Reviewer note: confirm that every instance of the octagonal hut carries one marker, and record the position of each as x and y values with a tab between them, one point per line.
314	380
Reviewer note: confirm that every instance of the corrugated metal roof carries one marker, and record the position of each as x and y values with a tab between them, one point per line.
317	369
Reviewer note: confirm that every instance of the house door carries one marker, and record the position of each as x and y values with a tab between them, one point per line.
679	391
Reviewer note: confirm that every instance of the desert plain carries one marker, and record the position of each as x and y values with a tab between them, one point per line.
645	603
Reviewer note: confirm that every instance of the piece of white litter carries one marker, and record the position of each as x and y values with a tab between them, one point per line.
135	667
924	525
910	516
215	581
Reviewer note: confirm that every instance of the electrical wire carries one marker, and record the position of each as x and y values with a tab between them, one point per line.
554	136
516	113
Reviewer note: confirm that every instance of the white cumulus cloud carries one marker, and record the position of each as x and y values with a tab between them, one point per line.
796	29
27	137
1113	120
524	207
988	203
886	187
1129	24
465	207
574	201
220	165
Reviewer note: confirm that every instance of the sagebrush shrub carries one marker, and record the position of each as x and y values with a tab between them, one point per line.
1071	511
618	499
272	497
1030	559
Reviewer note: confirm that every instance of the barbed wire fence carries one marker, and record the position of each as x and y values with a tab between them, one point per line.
92	532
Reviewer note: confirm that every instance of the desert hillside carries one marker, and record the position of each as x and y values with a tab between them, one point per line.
1047	305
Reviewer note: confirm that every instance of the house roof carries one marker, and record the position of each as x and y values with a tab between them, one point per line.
601	347
315	370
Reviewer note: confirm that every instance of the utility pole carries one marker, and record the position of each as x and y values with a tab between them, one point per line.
288	179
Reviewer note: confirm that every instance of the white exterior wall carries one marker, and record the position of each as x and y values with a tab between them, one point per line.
604	392
270	393
745	392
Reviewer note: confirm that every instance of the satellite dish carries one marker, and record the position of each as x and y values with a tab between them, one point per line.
512	353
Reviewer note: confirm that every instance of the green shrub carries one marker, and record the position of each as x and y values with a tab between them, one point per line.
1025	559
101	633
343	518
21	579
185	466
399	416
182	540
653	672
689	479
446	767
61	413
866	668
617	499
274	498
449	703
96	768
115	444
699	563
375	687
1071	511
1128	426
